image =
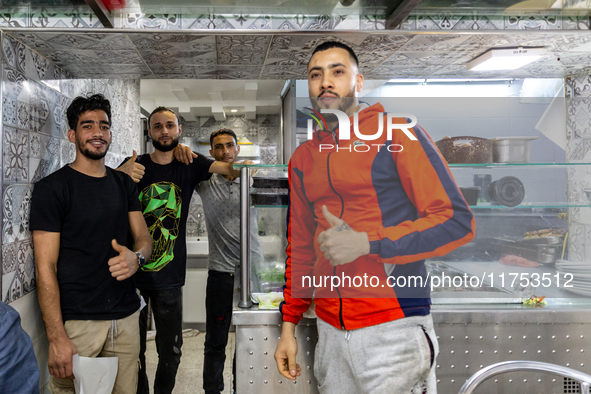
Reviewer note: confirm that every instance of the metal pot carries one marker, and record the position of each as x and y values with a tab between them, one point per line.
466	149
512	149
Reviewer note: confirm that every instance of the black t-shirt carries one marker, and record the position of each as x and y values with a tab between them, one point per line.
165	192
88	213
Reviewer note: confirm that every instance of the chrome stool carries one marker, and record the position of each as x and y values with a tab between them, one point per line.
513	366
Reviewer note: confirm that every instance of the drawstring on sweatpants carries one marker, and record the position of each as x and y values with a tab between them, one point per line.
113	329
347	335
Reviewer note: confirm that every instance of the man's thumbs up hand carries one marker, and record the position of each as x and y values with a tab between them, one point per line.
340	243
332	219
134	170
123	265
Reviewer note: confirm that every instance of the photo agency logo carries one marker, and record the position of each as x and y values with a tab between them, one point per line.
317	122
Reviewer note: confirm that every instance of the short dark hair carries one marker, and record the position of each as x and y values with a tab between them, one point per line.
221	132
82	104
335	44
163	109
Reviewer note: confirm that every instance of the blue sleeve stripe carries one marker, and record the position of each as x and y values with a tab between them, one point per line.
440	235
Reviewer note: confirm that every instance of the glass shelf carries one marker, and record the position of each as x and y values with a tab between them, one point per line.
533	205
464	165
552	180
260	165
497	165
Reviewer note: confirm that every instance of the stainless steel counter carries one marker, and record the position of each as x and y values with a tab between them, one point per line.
470	337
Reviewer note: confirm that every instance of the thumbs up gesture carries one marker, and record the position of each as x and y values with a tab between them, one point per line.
134	170
340	243
125	264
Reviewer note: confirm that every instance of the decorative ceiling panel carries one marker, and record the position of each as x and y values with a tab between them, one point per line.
398	54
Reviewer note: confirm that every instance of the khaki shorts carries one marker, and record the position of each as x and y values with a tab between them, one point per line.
100	338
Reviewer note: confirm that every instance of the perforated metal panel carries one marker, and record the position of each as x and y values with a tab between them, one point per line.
466	348
256	370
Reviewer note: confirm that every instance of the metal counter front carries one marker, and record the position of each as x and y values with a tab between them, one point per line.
476	326
470	337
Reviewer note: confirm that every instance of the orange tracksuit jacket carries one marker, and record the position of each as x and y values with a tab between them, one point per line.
407	202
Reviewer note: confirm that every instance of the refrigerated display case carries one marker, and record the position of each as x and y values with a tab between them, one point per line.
477	324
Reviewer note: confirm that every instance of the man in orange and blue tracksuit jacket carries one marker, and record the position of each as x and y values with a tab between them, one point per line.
364	215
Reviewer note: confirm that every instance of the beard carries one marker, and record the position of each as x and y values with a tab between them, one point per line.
343	104
94	155
165	148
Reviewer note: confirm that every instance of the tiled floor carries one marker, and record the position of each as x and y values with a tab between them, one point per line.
189	378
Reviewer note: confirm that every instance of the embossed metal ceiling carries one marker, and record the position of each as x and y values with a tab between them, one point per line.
284	56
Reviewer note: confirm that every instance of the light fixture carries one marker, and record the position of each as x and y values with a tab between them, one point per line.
233	110
505	59
407	80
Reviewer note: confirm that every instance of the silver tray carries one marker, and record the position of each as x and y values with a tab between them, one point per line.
543	250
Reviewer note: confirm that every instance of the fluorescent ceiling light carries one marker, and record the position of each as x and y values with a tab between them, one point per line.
506	59
233	110
472	80
407	80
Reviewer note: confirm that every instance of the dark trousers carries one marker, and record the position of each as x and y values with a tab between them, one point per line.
167	307
218	307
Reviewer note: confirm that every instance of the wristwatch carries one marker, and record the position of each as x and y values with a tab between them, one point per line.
141	260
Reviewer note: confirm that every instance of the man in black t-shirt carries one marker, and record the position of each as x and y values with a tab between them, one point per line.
81	216
165	188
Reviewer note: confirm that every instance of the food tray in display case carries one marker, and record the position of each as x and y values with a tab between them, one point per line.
465	294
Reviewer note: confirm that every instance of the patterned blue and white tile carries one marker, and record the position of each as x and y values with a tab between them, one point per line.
314	22
9	258
208	22
14	17
147	21
23	115
16	200
26	265
578	85
13	52
533	22
67	152
226	22
376	21
13	85
63	17
9	111
579	116
12	287
268	154
44	157
37	67
15	155
575	23
578	150
453	21
579	235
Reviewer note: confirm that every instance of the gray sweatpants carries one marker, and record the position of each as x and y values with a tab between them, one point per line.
392	357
